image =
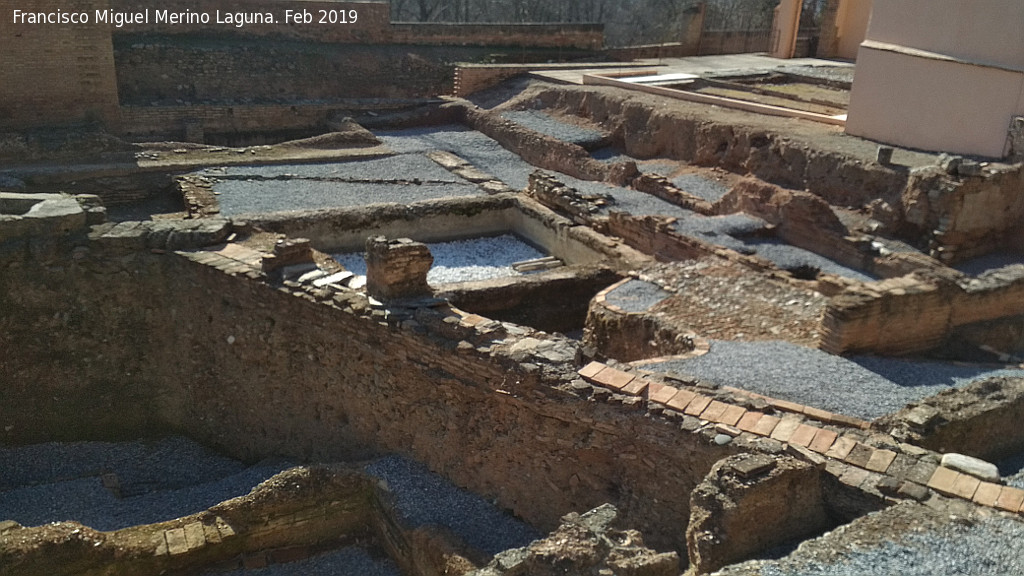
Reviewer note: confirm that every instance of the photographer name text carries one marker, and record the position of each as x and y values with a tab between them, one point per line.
167	17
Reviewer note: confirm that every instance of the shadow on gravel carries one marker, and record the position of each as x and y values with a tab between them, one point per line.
914	373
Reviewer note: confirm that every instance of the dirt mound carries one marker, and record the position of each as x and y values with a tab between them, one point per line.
347	134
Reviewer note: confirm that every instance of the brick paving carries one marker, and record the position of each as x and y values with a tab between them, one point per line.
855	462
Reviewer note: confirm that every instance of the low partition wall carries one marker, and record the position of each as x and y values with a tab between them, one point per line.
916	313
198	343
980	420
346	229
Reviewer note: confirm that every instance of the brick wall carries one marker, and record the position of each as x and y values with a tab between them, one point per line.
471	78
373	25
149	123
117	344
570	36
185	70
917	312
55	74
52	74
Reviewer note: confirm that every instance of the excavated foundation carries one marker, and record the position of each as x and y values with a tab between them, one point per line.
656	353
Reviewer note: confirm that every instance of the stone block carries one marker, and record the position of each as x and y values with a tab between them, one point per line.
18	203
914	491
987	494
921	472
748	423
125	236
841	448
854	476
785	429
613	379
880	461
697	405
943	480
590	370
766	425
714	411
732	415
753	465
860	455
397	268
681	399
823	441
195	536
973	466
56	216
1010	499
176	542
660	393
803	435
965	486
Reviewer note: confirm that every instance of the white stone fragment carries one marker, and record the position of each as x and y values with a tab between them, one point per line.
311	276
973	466
333	279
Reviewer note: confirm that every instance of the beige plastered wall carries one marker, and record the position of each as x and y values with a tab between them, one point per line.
852	24
940	75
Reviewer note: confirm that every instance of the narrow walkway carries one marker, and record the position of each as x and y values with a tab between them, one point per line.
693	65
848	455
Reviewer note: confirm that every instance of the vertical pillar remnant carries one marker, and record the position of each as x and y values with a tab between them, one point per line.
397	268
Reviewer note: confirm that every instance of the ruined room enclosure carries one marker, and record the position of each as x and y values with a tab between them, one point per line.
739	336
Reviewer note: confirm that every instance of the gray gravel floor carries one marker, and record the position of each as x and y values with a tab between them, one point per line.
865	387
483	152
732	231
344	562
261	189
539	121
988	262
425	498
161	480
398	167
626	200
836	73
990	547
724	231
263	197
700	186
612	154
636	296
788	257
464	260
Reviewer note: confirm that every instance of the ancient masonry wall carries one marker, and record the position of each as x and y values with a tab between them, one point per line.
981	420
917	312
646	131
373	25
131	328
146	123
55	74
120	341
968	211
958	211
175	70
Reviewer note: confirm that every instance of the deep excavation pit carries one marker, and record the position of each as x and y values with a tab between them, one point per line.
717	276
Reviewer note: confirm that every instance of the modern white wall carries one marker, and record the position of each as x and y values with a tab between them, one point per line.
941	75
853	26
